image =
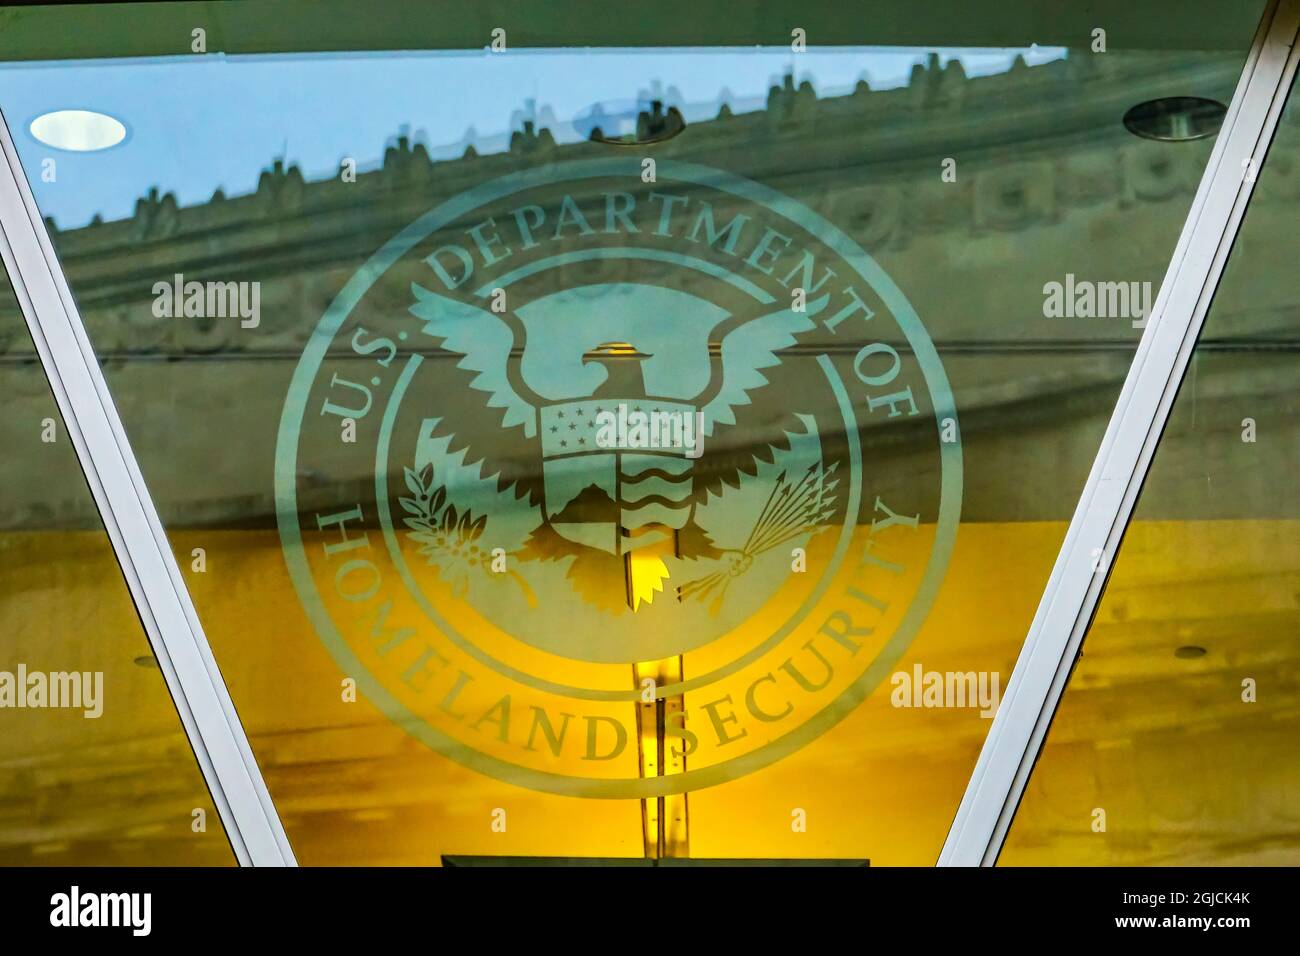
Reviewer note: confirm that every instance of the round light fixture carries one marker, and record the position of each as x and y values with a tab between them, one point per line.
80	131
1175	119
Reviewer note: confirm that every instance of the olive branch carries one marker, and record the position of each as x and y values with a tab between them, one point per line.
445	535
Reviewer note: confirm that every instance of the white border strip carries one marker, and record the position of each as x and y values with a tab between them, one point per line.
1106	505
128	513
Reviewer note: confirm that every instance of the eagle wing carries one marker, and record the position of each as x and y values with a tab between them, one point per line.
753	414
492	423
748	419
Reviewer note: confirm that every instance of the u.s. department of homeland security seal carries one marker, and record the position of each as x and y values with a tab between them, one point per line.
612	453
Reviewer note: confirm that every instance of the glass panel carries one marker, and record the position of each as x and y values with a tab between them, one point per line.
95	769
464	604
1175	742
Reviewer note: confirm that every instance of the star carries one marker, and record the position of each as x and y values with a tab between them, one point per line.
555	428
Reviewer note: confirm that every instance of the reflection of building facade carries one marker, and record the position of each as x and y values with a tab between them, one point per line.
1042	159
1045	174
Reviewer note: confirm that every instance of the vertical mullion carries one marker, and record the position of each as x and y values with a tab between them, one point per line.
1124	456
131	520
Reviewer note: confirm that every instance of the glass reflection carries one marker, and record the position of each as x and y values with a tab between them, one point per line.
95	769
1175	742
466	600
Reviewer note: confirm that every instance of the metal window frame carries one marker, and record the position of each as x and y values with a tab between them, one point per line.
1069	600
148	564
1105	508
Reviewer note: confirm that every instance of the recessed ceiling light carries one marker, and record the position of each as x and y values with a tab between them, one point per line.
81	131
1175	119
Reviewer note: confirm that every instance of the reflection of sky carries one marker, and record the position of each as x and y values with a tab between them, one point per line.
203	122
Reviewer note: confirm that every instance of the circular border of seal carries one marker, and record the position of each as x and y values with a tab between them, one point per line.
286	459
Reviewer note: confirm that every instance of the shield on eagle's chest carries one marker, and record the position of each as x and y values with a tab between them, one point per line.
601	495
579	478
654	494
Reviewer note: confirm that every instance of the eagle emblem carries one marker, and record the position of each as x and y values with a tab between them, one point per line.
618	414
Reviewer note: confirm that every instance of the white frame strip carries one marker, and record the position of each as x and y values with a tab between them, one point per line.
129	515
1106	505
